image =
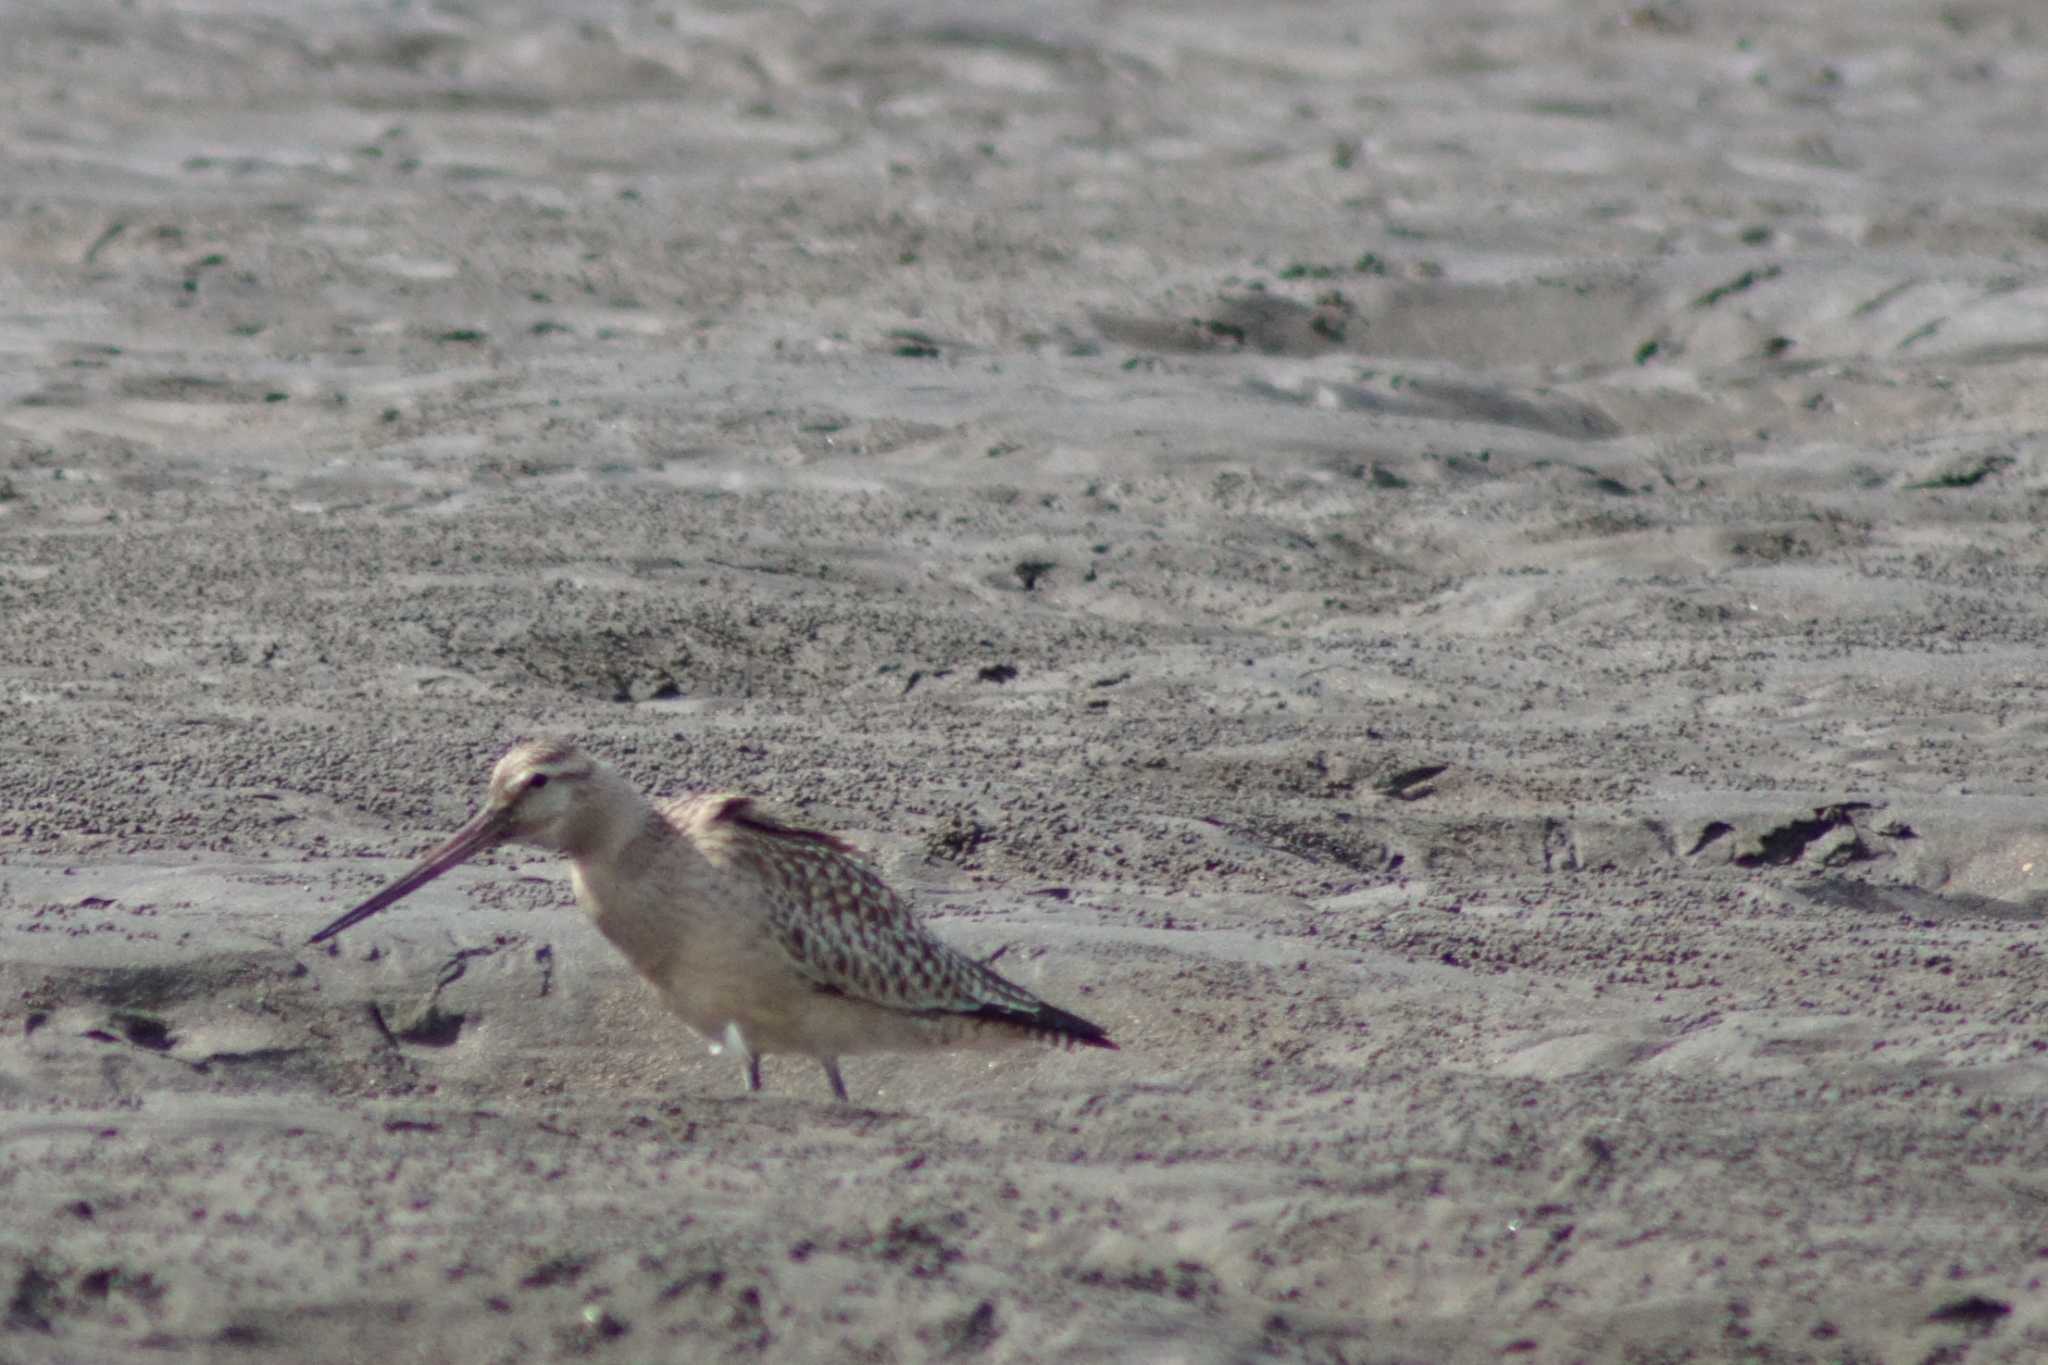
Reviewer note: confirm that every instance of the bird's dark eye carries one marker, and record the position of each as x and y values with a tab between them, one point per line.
536	782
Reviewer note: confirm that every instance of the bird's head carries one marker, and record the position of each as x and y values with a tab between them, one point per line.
542	792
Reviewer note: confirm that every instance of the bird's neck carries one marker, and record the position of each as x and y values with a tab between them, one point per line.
607	822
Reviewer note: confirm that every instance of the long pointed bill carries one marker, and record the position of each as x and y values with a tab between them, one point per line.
480	833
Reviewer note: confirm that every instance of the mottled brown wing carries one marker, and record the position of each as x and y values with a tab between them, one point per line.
842	925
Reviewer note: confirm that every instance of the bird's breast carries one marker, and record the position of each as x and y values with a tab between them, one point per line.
664	926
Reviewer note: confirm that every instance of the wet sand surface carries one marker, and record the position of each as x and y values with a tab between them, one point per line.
1467	579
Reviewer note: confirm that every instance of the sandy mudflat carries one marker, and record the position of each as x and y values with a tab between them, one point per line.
1470	579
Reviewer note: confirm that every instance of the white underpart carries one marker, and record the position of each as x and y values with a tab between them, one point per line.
734	1039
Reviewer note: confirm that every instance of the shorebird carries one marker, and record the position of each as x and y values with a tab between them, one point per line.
761	936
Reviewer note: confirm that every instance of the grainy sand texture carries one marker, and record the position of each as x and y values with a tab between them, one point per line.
1467	578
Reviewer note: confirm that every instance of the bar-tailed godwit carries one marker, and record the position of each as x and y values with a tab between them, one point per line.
761	936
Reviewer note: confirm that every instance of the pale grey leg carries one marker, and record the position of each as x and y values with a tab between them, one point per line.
831	1065
735	1042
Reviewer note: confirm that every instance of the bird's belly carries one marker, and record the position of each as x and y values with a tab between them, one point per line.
719	984
714	971
790	1014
